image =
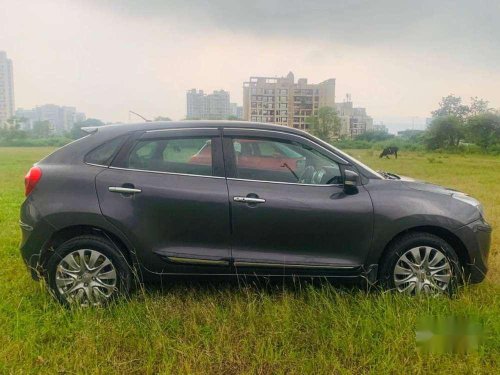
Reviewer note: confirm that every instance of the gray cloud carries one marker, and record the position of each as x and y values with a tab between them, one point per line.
446	24
108	56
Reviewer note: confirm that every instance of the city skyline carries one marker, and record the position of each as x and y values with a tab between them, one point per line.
113	56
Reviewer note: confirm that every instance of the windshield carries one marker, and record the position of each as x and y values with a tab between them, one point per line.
349	158
364	166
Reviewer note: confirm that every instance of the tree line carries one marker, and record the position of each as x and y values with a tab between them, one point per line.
14	132
454	123
454	126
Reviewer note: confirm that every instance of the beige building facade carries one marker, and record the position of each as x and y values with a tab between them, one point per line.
285	102
354	120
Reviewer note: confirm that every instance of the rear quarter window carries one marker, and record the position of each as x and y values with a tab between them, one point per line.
104	154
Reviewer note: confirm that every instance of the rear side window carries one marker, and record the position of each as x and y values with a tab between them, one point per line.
103	154
174	155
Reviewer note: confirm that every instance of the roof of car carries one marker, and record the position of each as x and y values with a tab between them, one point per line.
157	125
74	152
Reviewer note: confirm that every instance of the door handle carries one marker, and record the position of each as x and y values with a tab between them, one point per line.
249	200
123	190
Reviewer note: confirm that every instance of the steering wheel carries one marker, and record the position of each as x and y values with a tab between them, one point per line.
328	175
307	175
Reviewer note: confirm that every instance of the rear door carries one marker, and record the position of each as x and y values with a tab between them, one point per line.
171	202
294	216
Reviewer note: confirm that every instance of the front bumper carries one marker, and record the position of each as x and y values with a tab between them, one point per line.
476	237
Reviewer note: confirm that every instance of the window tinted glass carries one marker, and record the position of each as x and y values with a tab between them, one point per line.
103	154
176	155
281	161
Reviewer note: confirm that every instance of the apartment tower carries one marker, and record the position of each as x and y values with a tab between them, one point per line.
6	88
285	102
201	106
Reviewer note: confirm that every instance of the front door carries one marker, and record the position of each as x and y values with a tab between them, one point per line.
290	213
167	192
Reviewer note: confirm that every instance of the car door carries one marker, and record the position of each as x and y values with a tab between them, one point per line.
172	204
297	218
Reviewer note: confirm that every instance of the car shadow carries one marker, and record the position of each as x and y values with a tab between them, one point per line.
259	284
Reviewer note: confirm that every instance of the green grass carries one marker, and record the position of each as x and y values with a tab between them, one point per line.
223	327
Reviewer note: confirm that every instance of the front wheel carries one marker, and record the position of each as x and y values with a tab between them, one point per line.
420	263
88	271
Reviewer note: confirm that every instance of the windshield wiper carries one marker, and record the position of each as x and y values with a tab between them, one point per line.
389	176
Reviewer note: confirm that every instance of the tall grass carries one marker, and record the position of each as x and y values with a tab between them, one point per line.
253	326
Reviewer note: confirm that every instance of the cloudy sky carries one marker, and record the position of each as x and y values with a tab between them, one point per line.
396	58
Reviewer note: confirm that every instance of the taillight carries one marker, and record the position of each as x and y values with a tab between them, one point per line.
31	179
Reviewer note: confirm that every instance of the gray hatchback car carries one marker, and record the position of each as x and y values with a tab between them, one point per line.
138	201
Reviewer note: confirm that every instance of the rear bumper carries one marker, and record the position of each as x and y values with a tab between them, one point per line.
35	233
476	237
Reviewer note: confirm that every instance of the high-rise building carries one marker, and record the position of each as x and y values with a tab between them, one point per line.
61	118
6	88
195	104
354	120
285	102
203	106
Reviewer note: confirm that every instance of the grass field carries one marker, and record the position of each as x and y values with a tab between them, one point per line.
223	327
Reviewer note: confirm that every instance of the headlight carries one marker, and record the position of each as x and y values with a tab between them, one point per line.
469	200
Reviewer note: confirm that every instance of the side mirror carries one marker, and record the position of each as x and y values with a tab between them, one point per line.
351	178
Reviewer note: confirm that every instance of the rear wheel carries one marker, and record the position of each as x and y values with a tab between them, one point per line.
88	271
420	263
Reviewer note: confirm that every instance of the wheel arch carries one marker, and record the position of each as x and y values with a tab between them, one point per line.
443	233
64	234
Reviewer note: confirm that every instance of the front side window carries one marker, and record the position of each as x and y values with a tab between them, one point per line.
282	161
174	155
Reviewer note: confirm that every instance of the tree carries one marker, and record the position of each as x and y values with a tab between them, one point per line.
444	131
11	130
14	122
452	106
162	118
478	106
76	130
325	125
232	118
41	129
484	129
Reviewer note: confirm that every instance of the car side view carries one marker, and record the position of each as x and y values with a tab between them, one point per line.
237	198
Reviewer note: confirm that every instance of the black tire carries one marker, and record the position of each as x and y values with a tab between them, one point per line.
412	240
103	246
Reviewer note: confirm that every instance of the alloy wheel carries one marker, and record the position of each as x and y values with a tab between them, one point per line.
422	270
86	277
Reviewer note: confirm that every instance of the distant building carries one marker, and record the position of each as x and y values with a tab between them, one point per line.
236	110
203	106
7	104
354	120
27	118
380	128
61	118
195	104
285	102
